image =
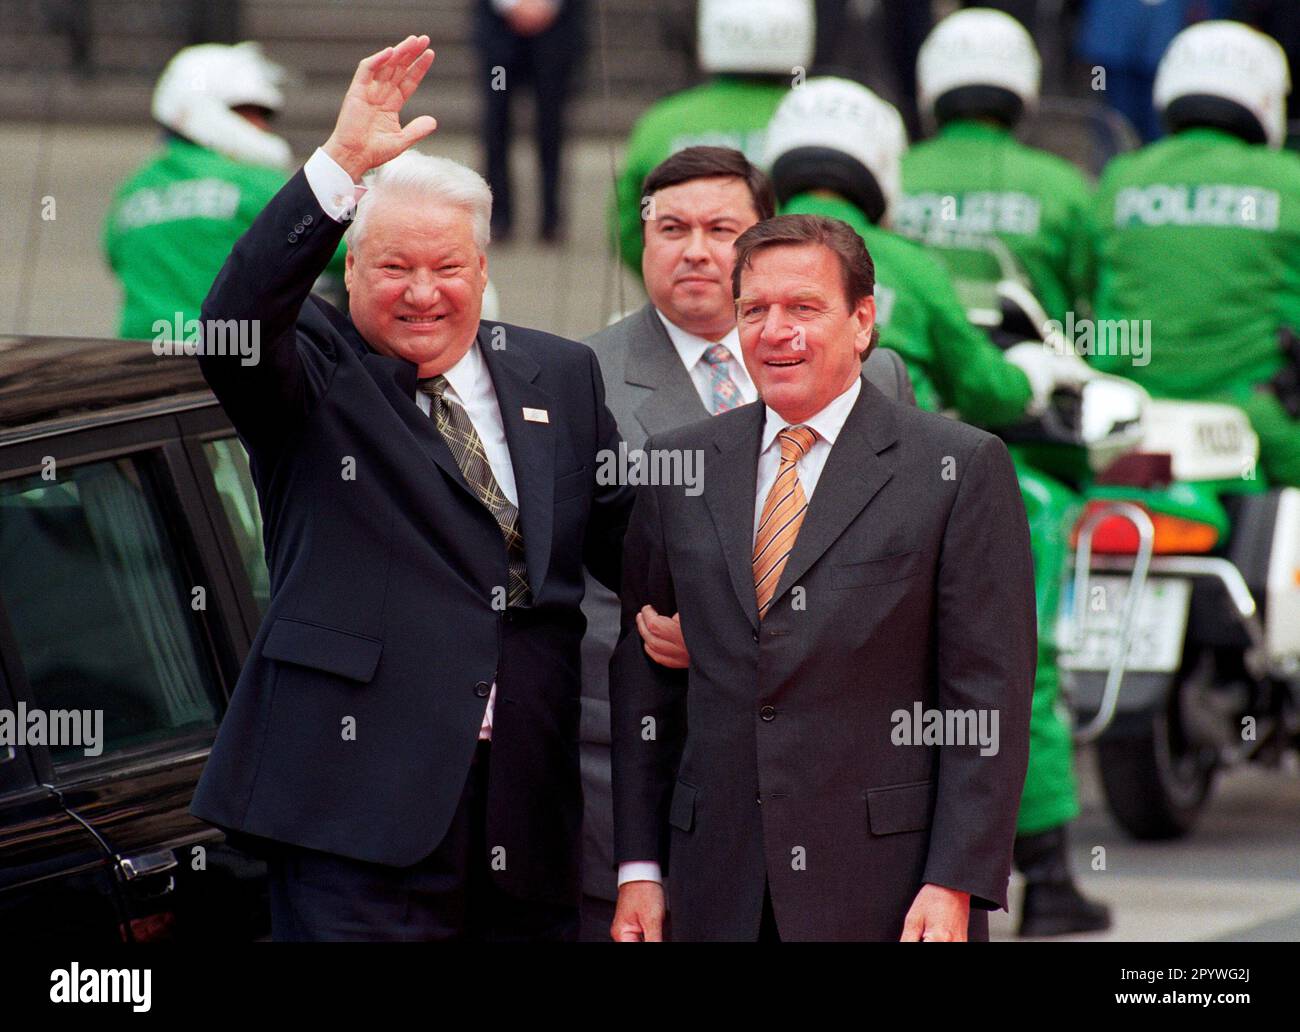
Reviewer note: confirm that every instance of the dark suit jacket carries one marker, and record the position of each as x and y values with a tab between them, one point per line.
772	760
648	391
383	569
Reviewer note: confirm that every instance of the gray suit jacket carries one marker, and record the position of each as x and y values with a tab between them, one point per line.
779	759
649	391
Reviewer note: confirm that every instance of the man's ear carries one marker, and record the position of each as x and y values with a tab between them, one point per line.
482	269
865	316
348	261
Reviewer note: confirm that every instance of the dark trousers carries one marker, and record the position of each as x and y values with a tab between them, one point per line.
767	923
597	916
546	63
449	895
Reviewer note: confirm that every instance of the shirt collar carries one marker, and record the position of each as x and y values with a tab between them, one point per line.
690	348
467	375
828	422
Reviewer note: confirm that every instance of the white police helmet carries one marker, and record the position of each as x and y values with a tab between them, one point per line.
835	134
759	37
1227	74
200	86
978	61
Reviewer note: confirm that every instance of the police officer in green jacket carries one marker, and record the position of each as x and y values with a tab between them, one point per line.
1198	236
172	224
833	148
753	50
991	206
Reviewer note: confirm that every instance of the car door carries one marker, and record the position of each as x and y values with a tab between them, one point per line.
56	880
121	610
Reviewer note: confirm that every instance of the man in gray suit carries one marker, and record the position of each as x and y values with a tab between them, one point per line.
845	755
674	361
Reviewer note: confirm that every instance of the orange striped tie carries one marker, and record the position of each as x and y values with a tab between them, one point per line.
783	513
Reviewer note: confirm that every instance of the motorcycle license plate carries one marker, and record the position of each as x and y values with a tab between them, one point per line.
1159	624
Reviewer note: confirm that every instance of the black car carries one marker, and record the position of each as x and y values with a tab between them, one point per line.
131	583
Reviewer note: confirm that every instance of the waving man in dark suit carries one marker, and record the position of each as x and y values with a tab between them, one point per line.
844	756
403	740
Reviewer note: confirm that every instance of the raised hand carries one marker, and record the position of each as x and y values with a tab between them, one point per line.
368	131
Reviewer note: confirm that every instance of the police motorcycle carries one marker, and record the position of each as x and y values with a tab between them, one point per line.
1180	632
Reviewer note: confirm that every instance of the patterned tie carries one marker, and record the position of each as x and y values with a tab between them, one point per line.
726	395
783	513
457	430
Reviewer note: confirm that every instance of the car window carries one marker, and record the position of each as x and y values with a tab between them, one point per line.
92	582
15	770
229	464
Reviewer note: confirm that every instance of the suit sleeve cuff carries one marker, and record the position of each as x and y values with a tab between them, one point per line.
639	870
335	192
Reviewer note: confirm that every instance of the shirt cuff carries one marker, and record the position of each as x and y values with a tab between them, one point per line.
335	192
639	870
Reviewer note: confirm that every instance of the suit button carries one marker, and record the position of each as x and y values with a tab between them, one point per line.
293	238
298	228
768	712
306	220
482	689
758	798
754	635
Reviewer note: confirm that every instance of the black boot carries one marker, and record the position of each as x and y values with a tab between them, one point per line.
1052	904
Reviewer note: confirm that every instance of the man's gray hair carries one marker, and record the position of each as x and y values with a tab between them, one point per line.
438	181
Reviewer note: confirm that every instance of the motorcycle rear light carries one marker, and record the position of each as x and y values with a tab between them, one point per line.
1139	469
1174	535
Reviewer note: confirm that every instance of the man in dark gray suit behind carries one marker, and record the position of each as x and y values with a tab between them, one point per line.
674	361
844	758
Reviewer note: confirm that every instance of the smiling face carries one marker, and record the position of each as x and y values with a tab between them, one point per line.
802	343
688	252
415	281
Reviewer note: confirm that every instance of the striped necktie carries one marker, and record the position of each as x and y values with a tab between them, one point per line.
782	515
726	395
459	433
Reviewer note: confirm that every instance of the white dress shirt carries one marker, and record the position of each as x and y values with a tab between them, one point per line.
335	192
469	383
690	349
828	423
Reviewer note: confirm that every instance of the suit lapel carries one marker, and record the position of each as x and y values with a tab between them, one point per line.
731	481
653	363
853	474
532	449
531	444
396	378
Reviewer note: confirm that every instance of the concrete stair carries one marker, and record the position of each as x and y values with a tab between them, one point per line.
321	42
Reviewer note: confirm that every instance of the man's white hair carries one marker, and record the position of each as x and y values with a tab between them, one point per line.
437	181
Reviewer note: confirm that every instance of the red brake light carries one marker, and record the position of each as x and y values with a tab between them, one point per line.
1175	535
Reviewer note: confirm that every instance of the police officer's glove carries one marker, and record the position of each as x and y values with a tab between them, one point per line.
1047	370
